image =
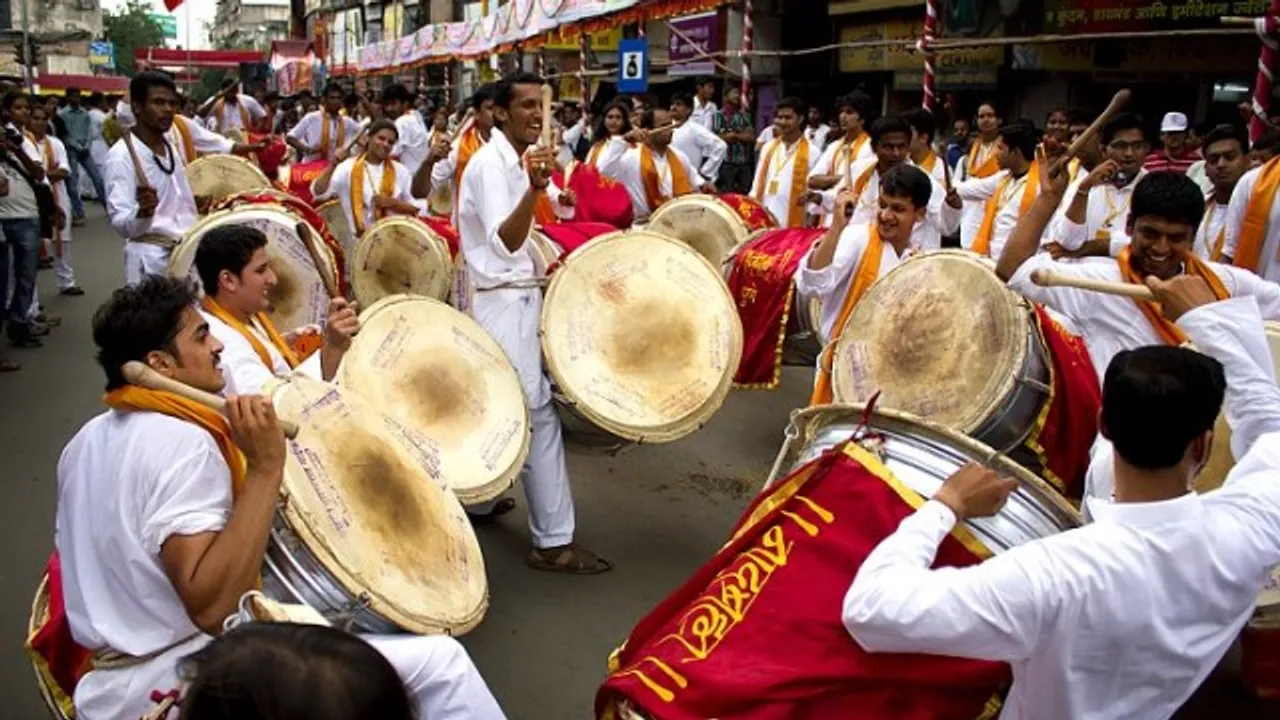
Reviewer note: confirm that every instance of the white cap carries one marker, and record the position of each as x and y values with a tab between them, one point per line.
1173	122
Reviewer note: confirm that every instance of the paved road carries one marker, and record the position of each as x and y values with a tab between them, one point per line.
657	512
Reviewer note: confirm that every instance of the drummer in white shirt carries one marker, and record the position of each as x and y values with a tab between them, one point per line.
704	148
321	133
152	218
231	109
654	170
499	190
414	141
1126	616
784	165
157	548
1094	223
236	275
369	185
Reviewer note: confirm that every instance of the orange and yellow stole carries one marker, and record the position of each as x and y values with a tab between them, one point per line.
386	188
183	132
680	184
1214	245
212	307
867	272
848	152
1169	333
219	118
1253	232
468	144
987	231
51	164
986	168
326	120
799	179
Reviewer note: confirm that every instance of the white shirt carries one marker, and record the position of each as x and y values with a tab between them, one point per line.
764	137
60	162
1197	173
310	131
704	113
1009	204
569	140
1107	210
126	483
704	149
1111	323
1122	618
1268	262
340	188
241	367
834	162
817	135
610	155
204	140
831	284
627	172
176	211
940	219
971	215
231	114
413	142
442	173
775	180
1211	228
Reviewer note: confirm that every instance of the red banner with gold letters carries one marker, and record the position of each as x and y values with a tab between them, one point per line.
301	176
760	281
757	634
752	213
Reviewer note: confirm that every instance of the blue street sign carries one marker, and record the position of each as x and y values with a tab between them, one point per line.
633	66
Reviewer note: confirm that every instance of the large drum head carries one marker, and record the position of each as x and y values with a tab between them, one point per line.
331	211
401	255
704	222
300	297
641	336
217	176
438	371
365	496
939	336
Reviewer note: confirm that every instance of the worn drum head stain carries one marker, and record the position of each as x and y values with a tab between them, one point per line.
442	398
918	336
395	264
286	297
652	338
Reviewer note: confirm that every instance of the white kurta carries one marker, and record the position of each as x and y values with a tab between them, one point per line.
971	215
65	274
243	370
204	140
704	113
127	482
1111	323
569	140
704	148
1124	617
817	135
492	185
764	137
775	181
174	215
1212	228
1269	258
627	172
1107	211
413	141
230	116
606	161
340	188
940	219
310	131
831	284
1009	206
835	161
443	172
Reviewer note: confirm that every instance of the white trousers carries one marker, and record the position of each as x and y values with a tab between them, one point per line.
143	259
62	270
439	676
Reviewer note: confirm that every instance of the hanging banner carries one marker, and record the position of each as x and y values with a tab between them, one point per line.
902	58
605	41
1080	16
690	37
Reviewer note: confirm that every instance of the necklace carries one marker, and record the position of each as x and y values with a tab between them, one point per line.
173	161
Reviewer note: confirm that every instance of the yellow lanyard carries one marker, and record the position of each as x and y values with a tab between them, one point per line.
776	167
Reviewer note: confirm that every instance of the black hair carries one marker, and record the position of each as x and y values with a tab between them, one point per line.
396	92
1020	137
1223	133
921	120
1269	142
648	118
989	104
351	99
888	124
483	94
227	247
141	84
1170	196
1157	399
683	98
703	80
1121	122
39	106
139	319
859	102
794	104
624	107
1202	128
1057	110
271	96
333	86
96	99
286	671
908	181
229	83
14	96
505	90
382	124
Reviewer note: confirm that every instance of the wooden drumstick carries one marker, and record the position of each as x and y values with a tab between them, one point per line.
137	163
309	239
1049	278
546	117
139	374
468	120
1118	101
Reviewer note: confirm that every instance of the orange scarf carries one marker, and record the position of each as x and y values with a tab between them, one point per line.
132	398
799	177
325	121
848	149
1171	334
184	138
468	144
1253	231
1213	246
387	188
594	155
680	184
928	163
989	167
987	231
212	307
219	106
867	272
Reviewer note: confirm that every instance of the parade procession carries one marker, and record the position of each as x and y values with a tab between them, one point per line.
929	374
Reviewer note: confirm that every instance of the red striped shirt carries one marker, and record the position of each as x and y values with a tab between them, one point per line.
1160	161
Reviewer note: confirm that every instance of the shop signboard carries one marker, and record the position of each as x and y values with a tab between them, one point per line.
901	58
691	36
603	41
1081	16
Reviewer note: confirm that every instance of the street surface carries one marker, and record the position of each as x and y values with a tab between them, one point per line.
657	512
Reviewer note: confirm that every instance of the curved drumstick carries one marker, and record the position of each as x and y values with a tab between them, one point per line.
139	374
1119	100
468	120
309	239
1049	278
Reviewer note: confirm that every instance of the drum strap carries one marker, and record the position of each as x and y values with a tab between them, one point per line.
517	285
108	659
164	241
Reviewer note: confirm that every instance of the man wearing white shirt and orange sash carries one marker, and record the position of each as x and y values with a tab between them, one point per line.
782	172
654	170
1007	195
231	110
369	185
1094	223
923	128
1226	159
979	162
1126	616
444	169
853	146
1253	222
501	186
320	134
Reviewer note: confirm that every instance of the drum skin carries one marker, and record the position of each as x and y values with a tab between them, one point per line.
218	176
714	226
401	255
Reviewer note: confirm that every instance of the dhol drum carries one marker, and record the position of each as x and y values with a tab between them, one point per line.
296	205
1221	459
399	255
641	339
368	533
553	243
439	372
50	693
297	177
217	176
331	211
271	157
299	297
713	225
